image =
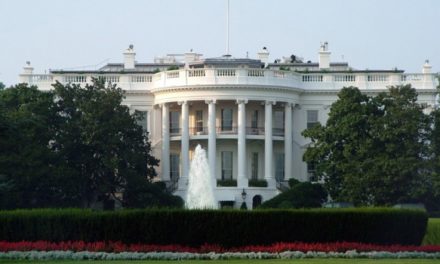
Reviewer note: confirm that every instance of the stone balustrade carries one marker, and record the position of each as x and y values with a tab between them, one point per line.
241	76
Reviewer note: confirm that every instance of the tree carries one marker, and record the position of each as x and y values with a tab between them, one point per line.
435	153
74	147
2	86
104	148
366	154
26	162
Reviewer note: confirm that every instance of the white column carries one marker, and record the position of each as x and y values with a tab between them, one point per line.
184	154
288	141
165	162
268	145
242	180
212	144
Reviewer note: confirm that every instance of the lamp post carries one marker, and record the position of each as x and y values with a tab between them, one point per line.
243	195
243	204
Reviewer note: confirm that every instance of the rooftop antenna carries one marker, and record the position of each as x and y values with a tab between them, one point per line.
227	29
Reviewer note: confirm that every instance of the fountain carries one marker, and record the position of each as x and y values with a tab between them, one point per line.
200	194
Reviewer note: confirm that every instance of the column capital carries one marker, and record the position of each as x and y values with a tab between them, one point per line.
289	104
241	101
269	102
161	105
212	101
182	102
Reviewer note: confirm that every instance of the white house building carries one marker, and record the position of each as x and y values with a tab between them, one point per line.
247	113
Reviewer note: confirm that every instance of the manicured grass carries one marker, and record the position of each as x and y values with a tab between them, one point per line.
432	236
296	261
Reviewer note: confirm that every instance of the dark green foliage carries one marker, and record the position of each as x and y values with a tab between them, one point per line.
172	68
373	150
301	195
257	183
227	228
27	124
143	194
74	147
101	143
227	183
2	86
292	182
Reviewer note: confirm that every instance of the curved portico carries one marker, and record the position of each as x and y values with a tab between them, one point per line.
251	123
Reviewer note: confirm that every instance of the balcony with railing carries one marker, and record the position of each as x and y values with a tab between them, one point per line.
227	130
278	132
255	131
175	131
230	130
198	131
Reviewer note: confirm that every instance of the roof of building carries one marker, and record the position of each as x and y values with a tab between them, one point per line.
228	61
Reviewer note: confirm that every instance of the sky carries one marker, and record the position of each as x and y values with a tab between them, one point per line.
85	34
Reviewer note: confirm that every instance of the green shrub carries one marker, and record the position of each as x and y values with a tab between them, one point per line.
432	236
227	183
301	195
292	182
223	227
257	183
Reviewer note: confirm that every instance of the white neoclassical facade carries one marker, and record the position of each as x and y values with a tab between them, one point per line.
247	113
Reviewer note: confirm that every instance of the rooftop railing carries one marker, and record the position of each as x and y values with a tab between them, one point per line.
243	76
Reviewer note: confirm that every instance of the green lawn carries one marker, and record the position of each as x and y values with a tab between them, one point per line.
295	261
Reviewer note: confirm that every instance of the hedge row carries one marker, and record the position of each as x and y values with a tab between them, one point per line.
227	228
432	236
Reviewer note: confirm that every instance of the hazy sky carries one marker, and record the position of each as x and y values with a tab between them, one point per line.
373	34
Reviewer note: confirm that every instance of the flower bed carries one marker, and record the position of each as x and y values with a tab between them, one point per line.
118	250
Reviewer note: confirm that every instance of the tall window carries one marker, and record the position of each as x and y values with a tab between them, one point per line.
279	123
226	165
174	122
279	119
226	119
254	166
312	118
174	166
143	119
279	166
254	119
199	121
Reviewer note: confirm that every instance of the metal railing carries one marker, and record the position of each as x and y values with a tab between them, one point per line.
278	132
229	130
175	131
254	130
198	131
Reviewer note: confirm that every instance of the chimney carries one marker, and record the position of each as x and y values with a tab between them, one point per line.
426	67
28	69
129	56
263	55
191	56
26	76
324	56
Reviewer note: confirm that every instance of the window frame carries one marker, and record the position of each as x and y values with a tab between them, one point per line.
227	126
309	114
227	173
